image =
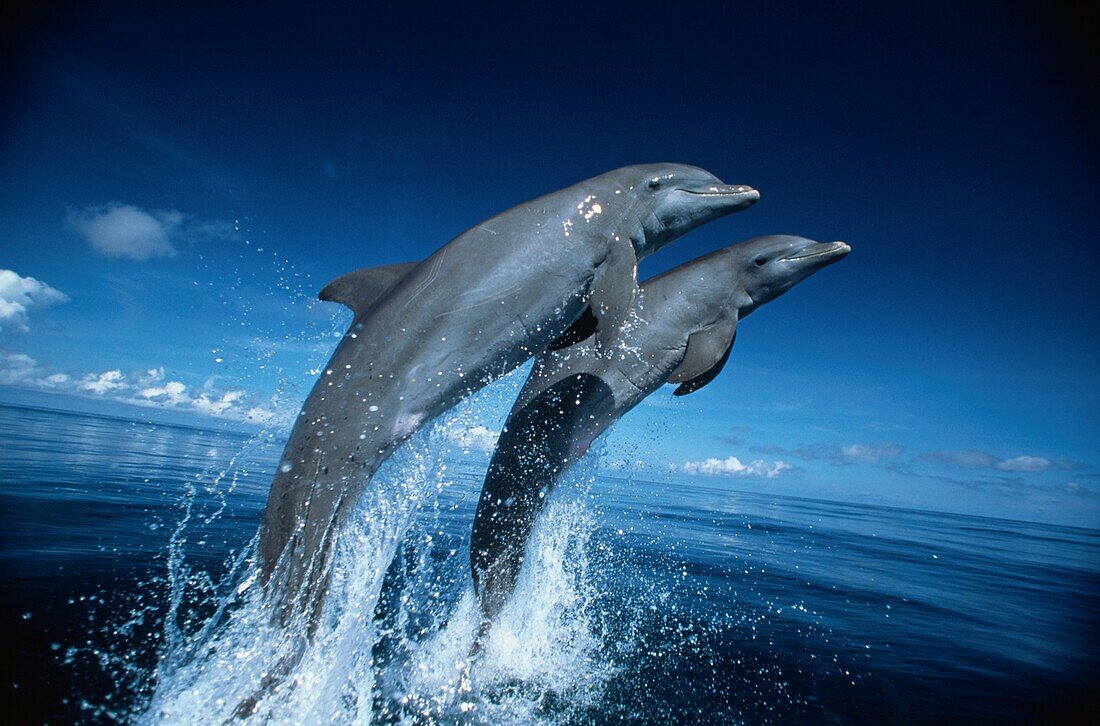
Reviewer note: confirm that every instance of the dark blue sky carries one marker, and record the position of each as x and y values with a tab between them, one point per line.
951	355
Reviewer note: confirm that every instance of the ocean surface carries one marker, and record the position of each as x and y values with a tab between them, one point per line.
125	551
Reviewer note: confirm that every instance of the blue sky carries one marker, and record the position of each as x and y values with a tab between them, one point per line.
177	182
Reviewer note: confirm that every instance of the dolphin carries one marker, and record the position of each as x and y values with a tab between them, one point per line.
426	334
688	322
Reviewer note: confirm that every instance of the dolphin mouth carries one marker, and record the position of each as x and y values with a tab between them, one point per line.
821	249
725	190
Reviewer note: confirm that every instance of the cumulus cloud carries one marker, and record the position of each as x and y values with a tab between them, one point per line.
148	388
100	383
732	466
172	392
19	295
475	438
126	231
213	404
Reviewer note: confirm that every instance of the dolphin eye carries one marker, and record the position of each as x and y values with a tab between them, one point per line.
760	261
654	184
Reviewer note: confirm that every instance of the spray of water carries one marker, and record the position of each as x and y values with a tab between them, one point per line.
406	549
540	661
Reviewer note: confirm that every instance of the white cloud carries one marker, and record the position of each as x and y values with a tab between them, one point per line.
870	453
214	404
100	383
172	392
54	380
475	438
16	369
123	230
133	233
732	466
1024	463
19	295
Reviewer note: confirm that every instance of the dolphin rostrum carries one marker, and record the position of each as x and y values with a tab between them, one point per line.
427	334
688	321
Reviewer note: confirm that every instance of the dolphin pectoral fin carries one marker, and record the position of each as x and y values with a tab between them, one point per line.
707	353
693	385
581	329
361	288
611	294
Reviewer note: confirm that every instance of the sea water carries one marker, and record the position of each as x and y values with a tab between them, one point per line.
129	594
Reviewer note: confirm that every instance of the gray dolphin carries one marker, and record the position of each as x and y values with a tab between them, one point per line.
427	334
689	319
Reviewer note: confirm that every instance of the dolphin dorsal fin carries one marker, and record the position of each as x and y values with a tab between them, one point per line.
361	288
707	352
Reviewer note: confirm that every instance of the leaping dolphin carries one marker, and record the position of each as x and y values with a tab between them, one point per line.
427	334
689	319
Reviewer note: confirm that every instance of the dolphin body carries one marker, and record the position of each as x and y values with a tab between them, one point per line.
689	319
427	334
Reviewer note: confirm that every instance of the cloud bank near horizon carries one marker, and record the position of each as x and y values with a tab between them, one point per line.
149	388
732	466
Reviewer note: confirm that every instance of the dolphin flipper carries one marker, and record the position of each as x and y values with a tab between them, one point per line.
611	293
361	288
707	352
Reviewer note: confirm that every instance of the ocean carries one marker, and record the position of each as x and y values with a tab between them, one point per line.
127	597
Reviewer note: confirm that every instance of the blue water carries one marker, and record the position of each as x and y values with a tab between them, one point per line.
696	602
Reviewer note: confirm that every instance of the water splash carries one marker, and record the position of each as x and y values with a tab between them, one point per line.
395	636
541	660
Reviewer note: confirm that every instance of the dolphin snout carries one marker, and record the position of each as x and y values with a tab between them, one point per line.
728	197
831	250
723	190
745	195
